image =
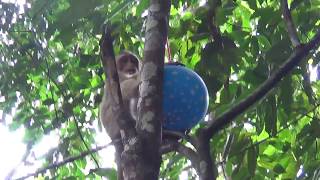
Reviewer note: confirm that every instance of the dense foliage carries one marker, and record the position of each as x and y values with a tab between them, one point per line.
51	75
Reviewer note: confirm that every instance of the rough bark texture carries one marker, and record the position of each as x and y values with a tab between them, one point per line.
207	168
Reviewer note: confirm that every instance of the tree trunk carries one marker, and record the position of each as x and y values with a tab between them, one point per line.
141	157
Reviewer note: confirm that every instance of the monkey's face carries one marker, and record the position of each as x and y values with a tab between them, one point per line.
128	65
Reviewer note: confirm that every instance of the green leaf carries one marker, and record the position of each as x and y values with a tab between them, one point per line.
254	46
239	143
295	4
286	94
48	101
119	8
110	173
38	7
271	115
142	6
70	178
252	4
187	16
279	52
67	34
77	9
252	160
88	60
190	52
315	124
278	169
242	174
80	79
264	43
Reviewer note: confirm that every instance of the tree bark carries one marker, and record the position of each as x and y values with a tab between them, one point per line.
207	168
141	156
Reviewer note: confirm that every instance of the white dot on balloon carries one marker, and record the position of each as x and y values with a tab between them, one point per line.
174	72
169	83
192	92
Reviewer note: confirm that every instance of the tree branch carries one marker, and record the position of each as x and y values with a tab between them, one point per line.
24	158
214	30
64	162
292	31
289	23
172	145
181	135
218	123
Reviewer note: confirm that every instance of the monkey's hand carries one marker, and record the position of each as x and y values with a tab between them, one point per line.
106	40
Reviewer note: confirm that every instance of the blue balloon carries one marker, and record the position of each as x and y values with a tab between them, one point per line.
185	98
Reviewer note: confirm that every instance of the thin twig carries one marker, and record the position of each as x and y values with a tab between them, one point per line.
214	30
306	114
289	23
23	159
67	160
172	145
184	136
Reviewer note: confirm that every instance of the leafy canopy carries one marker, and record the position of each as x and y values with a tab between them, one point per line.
51	76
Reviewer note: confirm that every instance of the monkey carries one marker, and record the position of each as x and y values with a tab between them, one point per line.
128	66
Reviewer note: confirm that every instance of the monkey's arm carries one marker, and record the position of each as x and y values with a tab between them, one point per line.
120	116
108	117
110	70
